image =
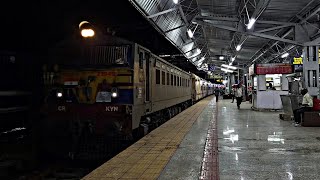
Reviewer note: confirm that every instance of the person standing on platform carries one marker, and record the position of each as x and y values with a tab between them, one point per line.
232	93
307	104
238	94
217	93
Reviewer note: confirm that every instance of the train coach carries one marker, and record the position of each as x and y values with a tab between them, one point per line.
109	88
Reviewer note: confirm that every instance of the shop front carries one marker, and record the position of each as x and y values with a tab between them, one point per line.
268	82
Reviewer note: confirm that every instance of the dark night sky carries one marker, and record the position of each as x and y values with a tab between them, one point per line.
33	27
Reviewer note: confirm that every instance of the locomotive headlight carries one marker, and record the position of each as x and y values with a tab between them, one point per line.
114	92
59	94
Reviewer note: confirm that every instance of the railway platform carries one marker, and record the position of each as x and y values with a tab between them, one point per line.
217	141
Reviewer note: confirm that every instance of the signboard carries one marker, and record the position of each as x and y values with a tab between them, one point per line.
211	67
251	70
297	60
262	69
215	76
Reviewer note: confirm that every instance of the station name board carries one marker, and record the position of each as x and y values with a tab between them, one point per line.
262	69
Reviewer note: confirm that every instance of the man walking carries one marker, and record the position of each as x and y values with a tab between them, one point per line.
217	93
238	94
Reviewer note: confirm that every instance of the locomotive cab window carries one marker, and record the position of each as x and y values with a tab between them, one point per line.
157	76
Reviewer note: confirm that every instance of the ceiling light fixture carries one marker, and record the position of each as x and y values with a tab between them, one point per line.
228	66
86	29
190	33
238	47
251	23
226	70
221	57
233	58
176	1
284	55
201	59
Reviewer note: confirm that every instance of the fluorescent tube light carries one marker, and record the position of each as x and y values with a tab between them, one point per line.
228	66
226	70
251	23
284	55
190	33
238	47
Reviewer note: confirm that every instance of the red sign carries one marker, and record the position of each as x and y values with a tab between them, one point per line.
273	69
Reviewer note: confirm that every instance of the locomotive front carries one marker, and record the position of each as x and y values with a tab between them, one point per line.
90	104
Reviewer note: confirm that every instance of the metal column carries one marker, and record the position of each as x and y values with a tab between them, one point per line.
311	69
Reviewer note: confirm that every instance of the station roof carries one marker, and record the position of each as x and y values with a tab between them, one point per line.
218	27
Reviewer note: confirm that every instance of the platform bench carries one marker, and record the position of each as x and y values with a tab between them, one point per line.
311	119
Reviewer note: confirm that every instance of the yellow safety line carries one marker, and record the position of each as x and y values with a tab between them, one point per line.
147	158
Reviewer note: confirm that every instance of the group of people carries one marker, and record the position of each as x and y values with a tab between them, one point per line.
236	93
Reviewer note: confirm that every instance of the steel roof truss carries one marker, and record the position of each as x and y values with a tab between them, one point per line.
251	33
273	28
162	12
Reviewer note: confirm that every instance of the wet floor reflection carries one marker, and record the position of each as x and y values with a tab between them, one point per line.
258	145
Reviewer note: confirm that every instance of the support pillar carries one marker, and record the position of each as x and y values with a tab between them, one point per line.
311	69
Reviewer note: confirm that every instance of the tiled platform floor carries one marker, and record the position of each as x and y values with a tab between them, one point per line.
147	158
258	145
252	145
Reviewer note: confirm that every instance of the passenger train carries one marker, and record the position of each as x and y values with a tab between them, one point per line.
109	88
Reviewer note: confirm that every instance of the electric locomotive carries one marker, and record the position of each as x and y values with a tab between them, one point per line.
105	91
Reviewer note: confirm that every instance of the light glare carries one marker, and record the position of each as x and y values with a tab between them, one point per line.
175	1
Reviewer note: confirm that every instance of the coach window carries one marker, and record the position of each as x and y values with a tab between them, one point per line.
168	78
171	79
180	81
157	76
175	80
163	78
141	60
